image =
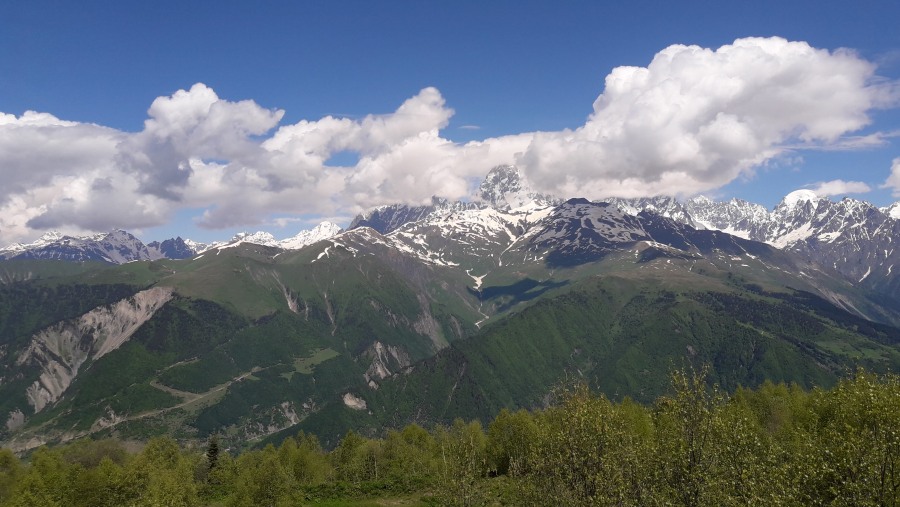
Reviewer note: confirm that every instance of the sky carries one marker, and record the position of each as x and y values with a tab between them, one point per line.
203	119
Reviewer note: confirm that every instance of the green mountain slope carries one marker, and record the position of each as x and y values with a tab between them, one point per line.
624	336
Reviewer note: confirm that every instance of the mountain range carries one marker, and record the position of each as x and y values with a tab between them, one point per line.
455	309
853	237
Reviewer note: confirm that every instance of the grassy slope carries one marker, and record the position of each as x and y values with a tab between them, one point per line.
624	338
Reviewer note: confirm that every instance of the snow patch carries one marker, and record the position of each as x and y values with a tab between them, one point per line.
792	237
868	272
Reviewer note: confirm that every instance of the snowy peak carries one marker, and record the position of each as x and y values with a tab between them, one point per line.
736	217
799	198
505	188
386	219
323	231
257	238
661	205
850	236
46	239
116	247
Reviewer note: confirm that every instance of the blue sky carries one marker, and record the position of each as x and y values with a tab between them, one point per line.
504	68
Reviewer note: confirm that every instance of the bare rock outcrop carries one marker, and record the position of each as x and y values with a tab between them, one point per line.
61	350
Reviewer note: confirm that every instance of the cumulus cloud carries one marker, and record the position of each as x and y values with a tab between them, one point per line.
696	118
691	121
840	187
893	181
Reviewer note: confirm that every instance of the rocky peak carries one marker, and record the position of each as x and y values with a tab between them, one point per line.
116	247
505	188
318	233
799	198
173	248
662	205
257	238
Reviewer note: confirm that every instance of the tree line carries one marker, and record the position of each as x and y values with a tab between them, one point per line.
698	446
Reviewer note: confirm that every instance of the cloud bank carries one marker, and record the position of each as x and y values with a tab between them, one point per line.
691	121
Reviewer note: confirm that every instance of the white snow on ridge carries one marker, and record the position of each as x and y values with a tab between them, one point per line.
323	231
46	239
868	272
792	237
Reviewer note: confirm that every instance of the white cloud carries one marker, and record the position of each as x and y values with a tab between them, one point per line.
893	181
691	121
695	119
840	187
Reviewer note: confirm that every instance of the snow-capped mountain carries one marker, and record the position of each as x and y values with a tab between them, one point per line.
303	238
256	238
115	247
506	188
388	218
661	205
853	237
318	233
119	247
738	217
454	233
508	222
46	239
503	189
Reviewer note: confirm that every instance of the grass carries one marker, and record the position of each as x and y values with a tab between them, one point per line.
305	365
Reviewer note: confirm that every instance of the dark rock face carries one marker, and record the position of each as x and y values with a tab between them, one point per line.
173	248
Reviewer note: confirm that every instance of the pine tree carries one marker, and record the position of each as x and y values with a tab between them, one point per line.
212	451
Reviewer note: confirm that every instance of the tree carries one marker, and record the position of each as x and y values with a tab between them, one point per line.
212	452
462	462
685	436
510	438
10	469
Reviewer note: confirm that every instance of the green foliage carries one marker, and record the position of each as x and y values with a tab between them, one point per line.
463	463
623	339
212	452
696	446
511	436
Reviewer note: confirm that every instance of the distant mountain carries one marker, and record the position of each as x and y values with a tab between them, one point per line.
503	189
115	247
175	248
386	219
506	188
119	247
853	237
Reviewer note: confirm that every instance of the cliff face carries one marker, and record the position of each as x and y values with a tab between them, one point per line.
62	349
